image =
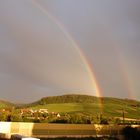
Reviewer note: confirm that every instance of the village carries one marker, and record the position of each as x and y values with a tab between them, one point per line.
27	115
32	112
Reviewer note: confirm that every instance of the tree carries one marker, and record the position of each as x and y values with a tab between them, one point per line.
15	118
3	117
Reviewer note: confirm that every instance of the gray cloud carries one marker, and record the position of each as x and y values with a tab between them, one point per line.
37	59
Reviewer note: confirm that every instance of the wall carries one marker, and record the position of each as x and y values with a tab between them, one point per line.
52	130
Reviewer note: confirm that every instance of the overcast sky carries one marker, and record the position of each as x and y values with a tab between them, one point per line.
38	54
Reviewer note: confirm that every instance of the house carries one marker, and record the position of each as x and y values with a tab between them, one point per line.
58	115
43	110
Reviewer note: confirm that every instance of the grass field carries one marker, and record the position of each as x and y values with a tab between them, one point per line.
108	109
70	107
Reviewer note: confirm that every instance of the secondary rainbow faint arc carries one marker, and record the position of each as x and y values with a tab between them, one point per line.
89	68
122	64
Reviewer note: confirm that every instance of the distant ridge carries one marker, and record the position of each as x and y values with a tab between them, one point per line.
71	98
68	98
78	98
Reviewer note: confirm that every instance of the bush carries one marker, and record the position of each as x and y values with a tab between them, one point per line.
131	133
3	117
59	121
15	118
104	121
117	121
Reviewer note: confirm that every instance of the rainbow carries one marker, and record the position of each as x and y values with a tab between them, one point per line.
122	64
124	71
82	56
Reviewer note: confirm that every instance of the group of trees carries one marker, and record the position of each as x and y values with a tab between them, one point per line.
15	116
71	118
68	99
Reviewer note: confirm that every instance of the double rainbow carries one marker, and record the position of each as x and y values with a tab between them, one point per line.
79	51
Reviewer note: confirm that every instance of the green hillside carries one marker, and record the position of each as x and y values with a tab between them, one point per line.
5	104
91	105
70	98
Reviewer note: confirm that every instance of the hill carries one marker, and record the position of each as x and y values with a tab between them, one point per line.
70	98
107	106
5	104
